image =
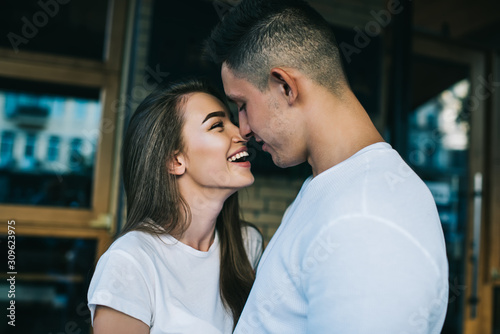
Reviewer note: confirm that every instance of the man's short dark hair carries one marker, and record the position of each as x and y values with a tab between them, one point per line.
257	35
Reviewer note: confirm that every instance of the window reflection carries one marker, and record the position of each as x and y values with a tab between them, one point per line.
48	144
438	142
438	150
53	149
439	129
6	148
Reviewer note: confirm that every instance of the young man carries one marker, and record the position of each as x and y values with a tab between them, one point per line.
361	249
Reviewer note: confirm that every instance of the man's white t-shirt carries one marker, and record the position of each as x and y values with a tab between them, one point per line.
171	287
361	250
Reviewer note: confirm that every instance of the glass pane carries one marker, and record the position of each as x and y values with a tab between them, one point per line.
51	282
48	141
438	150
71	28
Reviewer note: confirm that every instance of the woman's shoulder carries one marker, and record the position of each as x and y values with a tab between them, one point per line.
135	244
250	232
133	252
132	240
124	278
253	242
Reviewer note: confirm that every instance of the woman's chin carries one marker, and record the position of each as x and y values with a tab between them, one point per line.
251	181
245	182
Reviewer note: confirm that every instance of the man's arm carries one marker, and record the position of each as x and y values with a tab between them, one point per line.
372	278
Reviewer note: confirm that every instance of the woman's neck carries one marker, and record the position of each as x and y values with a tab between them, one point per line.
204	206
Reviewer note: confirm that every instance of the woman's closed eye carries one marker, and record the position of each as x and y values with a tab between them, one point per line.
219	124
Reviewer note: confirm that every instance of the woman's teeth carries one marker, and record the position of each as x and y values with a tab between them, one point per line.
238	156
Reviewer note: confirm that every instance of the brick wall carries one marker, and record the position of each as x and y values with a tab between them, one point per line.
264	203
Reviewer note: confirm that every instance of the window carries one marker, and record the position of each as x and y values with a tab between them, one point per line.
52	52
6	147
54	164
53	149
73	52
76	158
29	151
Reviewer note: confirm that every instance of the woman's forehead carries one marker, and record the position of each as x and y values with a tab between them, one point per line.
199	105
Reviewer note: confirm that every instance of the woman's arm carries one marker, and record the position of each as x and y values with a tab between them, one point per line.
108	320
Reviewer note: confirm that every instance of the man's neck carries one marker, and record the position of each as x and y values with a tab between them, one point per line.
338	128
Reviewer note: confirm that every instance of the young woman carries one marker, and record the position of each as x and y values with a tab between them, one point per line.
185	261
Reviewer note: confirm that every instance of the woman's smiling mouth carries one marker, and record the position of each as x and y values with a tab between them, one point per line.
238	157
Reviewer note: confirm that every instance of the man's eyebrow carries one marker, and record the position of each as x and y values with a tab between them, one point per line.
214	114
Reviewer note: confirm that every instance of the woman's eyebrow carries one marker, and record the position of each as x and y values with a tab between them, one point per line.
214	114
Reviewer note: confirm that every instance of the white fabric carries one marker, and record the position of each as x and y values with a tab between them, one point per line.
361	250
171	287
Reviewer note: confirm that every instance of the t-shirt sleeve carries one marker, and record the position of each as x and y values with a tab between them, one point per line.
363	276
253	243
119	282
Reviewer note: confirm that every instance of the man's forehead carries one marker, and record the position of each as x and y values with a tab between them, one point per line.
225	67
231	88
235	97
227	73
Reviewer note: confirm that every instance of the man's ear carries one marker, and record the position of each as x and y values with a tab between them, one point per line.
285	82
177	165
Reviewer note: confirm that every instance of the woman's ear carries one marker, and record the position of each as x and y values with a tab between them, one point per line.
285	81
177	165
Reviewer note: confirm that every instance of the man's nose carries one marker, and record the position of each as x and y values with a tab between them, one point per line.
235	134
245	130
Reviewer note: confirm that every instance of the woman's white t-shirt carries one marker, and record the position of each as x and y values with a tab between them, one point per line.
171	287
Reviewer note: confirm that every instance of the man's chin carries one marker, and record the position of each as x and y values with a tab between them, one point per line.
282	163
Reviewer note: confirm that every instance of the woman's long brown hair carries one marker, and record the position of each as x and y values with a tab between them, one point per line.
154	202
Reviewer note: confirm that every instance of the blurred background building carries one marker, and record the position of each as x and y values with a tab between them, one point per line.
72	72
